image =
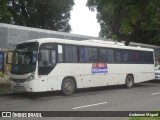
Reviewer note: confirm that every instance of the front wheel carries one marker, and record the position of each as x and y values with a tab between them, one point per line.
129	81
68	86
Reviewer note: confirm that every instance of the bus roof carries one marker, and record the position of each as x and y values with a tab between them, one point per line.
95	43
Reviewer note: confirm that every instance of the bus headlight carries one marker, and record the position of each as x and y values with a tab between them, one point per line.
31	77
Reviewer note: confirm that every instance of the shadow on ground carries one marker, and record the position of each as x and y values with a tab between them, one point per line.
79	92
154	81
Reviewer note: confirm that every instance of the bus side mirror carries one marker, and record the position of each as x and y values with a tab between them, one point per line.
39	56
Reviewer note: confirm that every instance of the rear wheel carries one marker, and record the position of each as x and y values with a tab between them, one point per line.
129	81
68	86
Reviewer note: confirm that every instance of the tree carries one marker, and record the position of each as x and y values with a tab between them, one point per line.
5	15
45	14
129	20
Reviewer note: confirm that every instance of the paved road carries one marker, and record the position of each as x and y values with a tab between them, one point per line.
143	97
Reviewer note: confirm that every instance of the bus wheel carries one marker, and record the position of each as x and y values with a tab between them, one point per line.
129	81
68	86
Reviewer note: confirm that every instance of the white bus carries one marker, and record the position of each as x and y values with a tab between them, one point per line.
51	64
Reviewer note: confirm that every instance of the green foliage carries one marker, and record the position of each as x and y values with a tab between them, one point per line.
126	27
46	14
114	37
5	15
130	20
156	40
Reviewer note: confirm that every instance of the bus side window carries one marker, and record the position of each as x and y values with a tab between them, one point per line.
103	55
118	56
74	54
147	57
70	53
136	57
88	54
110	56
151	58
131	57
94	54
125	56
81	54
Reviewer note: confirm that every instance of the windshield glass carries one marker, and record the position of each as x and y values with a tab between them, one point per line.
24	58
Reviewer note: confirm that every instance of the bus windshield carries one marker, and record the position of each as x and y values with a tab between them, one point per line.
24	58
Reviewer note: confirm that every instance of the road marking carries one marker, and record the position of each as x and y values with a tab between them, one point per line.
90	105
155	93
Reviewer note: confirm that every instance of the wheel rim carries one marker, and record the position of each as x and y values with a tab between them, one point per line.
68	87
129	82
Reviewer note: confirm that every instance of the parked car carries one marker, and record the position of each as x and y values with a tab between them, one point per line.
157	72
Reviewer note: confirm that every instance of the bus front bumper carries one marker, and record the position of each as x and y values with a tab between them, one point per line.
22	87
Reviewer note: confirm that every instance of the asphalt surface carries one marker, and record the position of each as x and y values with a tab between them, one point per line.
142	97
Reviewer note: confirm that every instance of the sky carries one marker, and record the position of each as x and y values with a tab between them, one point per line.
83	21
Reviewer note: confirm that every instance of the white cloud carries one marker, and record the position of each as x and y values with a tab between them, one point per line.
83	21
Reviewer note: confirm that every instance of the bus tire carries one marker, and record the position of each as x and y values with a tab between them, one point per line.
68	86
129	82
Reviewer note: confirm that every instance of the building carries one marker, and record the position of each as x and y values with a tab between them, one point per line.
13	34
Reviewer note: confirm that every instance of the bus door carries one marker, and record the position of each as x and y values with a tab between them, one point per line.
47	62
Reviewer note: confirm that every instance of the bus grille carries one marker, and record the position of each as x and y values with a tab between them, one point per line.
19	80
